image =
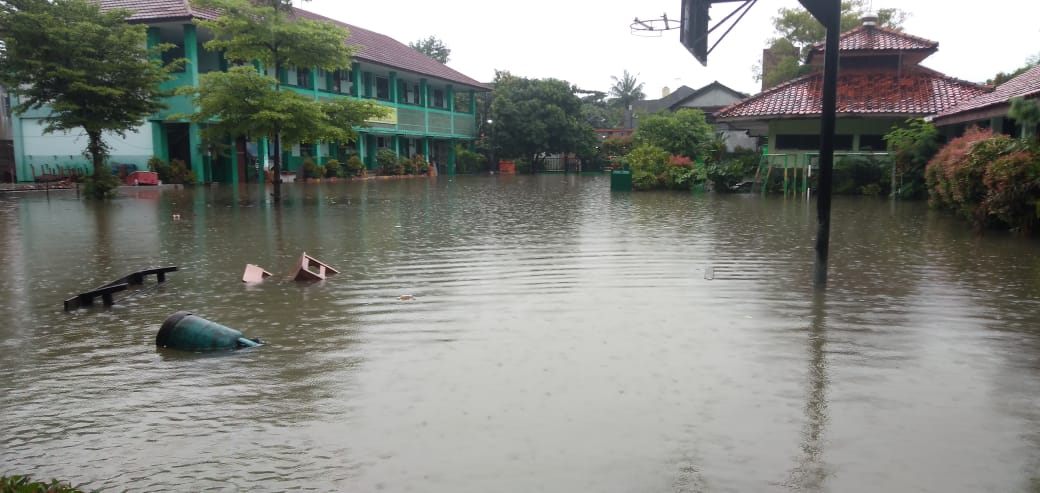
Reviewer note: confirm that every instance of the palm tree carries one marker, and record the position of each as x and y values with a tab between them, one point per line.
626	90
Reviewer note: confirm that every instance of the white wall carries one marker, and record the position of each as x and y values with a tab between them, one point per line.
75	142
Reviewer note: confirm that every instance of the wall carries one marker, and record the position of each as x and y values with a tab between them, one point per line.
844	126
66	149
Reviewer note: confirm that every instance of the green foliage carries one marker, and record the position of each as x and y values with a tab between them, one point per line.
855	175
612	149
354	166
993	180
912	144
731	169
648	163
538	116
467	161
1027	113
684	132
626	90
25	484
90	68
433	48
406	164
177	172
388	162
1013	189
333	169
1001	77
598	112
242	101
797	30
420	165
101	184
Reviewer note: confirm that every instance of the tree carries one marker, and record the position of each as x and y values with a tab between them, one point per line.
913	144
433	48
684	133
597	112
626	90
90	68
538	116
268	32
1002	77
798	30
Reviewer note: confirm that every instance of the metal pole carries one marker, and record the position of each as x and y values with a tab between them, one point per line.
827	123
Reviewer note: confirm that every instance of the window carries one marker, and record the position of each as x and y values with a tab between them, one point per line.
382	88
175	52
438	98
303	77
811	142
343	81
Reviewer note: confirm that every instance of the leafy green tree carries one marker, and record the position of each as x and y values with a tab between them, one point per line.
597	111
798	30
1027	113
247	103
538	116
432	47
90	68
626	90
684	133
1001	77
913	144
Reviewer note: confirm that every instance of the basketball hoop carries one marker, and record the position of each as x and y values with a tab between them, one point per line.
652	28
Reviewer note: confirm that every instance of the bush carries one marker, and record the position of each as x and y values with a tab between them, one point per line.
912	144
102	184
648	164
954	175
180	173
854	174
160	168
354	166
467	161
1013	191
388	162
333	169
420	165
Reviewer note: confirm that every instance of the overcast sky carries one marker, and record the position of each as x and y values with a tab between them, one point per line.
586	42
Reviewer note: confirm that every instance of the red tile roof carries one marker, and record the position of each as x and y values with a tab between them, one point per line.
373	47
912	91
1026	84
874	39
158	10
384	50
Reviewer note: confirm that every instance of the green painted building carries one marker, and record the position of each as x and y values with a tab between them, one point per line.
432	106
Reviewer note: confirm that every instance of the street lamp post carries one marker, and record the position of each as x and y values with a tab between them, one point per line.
492	165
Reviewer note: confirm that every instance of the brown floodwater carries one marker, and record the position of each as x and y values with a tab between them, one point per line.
561	338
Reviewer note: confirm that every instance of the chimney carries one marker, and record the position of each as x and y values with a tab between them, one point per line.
870	20
665	91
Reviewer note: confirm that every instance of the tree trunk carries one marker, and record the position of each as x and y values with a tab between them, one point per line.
96	150
276	180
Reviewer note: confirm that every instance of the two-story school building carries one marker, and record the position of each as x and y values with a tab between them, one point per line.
432	106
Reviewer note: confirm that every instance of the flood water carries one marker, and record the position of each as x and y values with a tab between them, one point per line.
561	338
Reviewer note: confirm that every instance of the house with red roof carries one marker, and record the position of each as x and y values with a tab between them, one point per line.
881	83
432	106
990	110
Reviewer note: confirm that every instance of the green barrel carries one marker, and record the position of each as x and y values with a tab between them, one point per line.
185	331
621	180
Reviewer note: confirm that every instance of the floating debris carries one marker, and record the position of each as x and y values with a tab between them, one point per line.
254	273
312	269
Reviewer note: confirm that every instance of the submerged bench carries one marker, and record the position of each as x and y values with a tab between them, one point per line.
105	291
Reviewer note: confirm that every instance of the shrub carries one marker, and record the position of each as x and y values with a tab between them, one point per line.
853	174
333	168
648	164
181	173
102	184
161	169
912	144
420	165
954	175
388	162
466	161
1013	191
310	170
354	166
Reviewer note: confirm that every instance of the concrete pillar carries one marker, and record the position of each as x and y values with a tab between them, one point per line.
160	147
314	82
393	87
450	94
424	93
355	83
451	158
397	144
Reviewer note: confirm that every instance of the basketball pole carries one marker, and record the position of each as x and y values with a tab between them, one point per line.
828	12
